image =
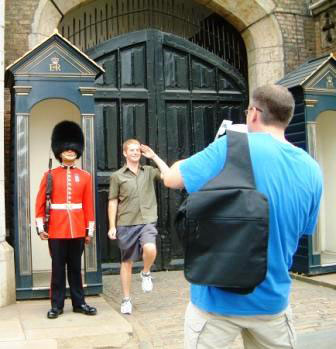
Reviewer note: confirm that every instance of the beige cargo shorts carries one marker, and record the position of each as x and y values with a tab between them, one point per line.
206	330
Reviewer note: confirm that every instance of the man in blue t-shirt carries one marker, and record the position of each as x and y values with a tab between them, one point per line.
292	182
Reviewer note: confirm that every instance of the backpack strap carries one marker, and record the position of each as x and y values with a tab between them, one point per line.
237	172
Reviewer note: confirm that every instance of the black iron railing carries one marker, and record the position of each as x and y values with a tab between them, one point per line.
91	25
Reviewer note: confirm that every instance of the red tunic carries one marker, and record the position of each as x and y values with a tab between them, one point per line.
71	211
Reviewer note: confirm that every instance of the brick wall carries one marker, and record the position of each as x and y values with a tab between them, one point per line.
297	6
18	20
297	27
2	180
302	33
295	22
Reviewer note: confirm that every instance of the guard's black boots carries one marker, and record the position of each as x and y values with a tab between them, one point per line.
54	312
85	309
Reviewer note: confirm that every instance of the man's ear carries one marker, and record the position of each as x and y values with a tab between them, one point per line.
254	116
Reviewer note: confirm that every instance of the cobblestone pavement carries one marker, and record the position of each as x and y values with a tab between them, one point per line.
157	317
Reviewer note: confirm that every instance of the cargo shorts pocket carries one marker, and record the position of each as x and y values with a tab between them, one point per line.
290	326
193	327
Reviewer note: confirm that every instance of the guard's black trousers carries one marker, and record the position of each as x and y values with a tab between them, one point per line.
66	252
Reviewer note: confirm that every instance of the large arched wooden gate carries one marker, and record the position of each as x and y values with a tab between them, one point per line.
170	94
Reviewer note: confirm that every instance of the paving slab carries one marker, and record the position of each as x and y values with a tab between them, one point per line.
158	317
105	341
11	330
39	344
29	327
10	312
318	339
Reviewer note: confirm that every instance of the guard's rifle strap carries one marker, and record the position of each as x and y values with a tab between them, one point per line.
48	197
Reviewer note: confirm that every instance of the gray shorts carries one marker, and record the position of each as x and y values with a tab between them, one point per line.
131	239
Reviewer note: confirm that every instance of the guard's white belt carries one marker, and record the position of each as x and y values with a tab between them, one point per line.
66	206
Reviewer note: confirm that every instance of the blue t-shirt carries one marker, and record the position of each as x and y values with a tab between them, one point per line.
292	182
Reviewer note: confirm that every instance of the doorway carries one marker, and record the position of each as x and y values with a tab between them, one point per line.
175	106
44	116
326	150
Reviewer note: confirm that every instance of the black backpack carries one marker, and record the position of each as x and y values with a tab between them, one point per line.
224	226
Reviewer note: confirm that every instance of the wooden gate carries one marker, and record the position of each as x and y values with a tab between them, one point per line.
170	94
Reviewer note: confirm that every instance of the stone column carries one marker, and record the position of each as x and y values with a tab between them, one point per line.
265	52
7	273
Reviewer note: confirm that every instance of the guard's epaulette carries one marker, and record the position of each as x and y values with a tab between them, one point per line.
87	172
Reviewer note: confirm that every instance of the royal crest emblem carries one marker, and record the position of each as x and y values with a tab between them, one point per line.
330	82
54	66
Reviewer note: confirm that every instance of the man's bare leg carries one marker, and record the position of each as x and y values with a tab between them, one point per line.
148	255
126	277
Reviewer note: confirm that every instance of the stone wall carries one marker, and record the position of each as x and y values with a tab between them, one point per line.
297	28
24	19
2	179
18	26
298	45
300	31
19	19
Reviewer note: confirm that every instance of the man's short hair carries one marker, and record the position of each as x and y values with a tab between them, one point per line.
128	142
276	102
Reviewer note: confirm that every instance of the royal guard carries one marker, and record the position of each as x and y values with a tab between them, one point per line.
65	217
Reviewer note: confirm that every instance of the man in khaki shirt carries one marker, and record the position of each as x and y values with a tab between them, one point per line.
132	214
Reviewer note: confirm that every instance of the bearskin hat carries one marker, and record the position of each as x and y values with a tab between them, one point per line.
67	135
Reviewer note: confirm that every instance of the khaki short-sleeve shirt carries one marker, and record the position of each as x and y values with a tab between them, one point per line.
136	195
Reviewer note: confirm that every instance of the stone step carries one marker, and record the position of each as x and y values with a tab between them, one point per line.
25	325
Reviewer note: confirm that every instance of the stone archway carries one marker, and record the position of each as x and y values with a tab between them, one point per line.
260	30
265	52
